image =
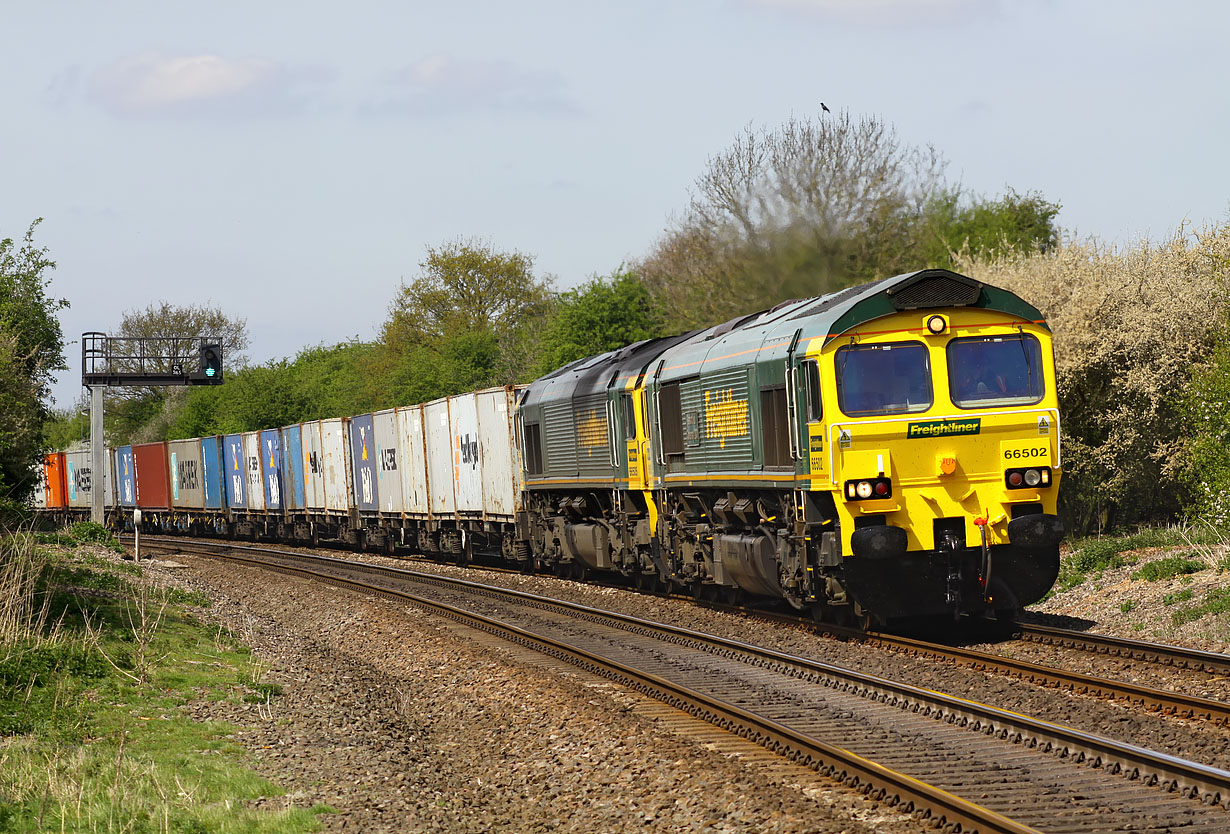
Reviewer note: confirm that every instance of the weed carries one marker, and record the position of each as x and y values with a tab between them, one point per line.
1125	607
1216	601
1178	596
179	596
1168	568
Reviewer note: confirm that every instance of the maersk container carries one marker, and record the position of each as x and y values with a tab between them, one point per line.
213	473
254	482
235	465
414	461
363	463
500	463
333	456
292	468
53	474
126	476
440	470
313	466
153	476
467	464
271	468
390	458
187	483
78	478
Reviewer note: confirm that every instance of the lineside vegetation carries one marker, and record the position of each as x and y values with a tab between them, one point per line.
96	669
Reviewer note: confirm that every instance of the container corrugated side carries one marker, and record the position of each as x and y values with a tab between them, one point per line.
498	452
187	484
253	483
313	466
235	465
467	468
292	467
363	463
414	462
126	476
78	478
439	459
271	468
390	458
213	472
153	476
333	456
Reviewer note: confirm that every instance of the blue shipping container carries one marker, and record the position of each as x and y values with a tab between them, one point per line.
236	470
363	462
211	463
292	468
271	467
126	473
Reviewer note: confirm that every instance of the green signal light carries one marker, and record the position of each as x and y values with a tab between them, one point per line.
210	372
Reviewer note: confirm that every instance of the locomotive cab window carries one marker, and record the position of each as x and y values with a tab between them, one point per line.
883	379
629	412
811	384
992	371
533	449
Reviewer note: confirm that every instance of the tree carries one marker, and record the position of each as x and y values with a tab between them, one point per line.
806	208
145	413
469	320
601	315
984	228
31	349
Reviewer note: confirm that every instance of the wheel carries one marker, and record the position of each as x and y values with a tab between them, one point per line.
580	570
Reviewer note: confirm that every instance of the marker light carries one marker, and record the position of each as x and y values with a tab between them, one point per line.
864	489
936	325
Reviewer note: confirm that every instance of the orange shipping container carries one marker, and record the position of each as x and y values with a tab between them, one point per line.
53	470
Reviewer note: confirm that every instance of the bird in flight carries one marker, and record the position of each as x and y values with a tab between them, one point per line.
825	107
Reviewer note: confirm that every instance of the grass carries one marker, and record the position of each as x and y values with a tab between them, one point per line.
1205	545
1216	601
1168	568
1178	596
95	673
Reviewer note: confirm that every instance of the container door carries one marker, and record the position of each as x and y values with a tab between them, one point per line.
414	462
497	452
236	472
271	467
390	459
333	451
126	475
211	468
292	467
467	466
255	481
363	459
313	466
439	458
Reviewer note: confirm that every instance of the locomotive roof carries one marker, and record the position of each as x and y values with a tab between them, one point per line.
768	334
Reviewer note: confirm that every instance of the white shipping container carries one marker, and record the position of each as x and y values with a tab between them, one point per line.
499	460
414	463
467	463
313	466
336	469
439	459
187	474
38	499
254	484
78	480
390	458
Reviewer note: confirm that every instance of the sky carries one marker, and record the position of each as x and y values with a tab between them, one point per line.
290	162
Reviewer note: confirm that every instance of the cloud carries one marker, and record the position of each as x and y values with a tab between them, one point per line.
155	83
442	84
883	12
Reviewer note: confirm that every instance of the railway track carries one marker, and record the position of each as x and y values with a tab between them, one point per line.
964	763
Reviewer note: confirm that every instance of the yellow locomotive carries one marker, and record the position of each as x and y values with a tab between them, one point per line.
888	451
